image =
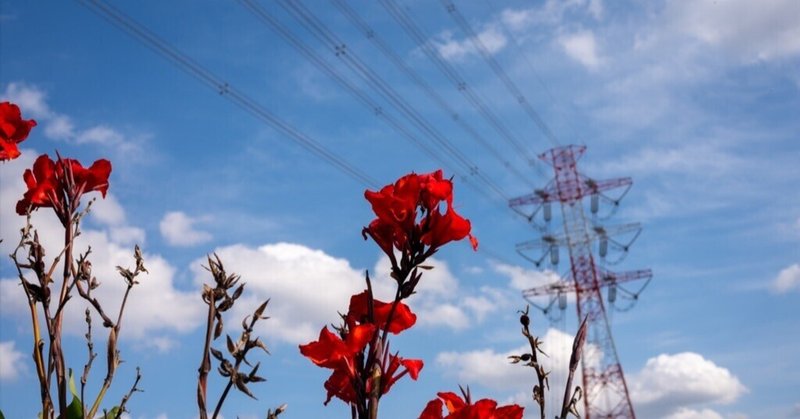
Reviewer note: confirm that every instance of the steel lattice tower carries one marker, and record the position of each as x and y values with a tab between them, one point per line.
605	390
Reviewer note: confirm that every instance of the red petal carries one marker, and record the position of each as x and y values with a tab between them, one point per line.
433	410
512	411
452	401
402	319
414	366
326	352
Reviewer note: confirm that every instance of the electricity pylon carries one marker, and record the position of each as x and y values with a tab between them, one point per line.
605	390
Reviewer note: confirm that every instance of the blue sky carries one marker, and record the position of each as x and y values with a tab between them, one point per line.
696	101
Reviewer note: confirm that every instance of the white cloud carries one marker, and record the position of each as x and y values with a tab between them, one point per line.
439	300
33	103
670	382
108	211
59	127
787	280
306	287
667	387
795	413
753	31
455	50
492	369
178	229
551	13
582	47
100	134
155	306
11	361
685	413
522	279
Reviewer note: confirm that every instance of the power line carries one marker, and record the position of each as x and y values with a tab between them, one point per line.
498	70
225	89
356	20
526	58
461	85
307	19
271	22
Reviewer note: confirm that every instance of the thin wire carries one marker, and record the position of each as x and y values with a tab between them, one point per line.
356	20
271	22
244	102
307	19
461	85
526	58
498	71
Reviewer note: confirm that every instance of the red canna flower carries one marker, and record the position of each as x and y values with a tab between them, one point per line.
42	185
459	408
410	214
13	130
330	350
389	370
443	229
402	318
60	184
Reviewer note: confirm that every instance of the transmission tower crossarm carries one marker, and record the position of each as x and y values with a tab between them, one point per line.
539	196
606	278
609	277
596	186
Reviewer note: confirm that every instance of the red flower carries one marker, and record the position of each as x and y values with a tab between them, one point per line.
389	370
410	209
402	318
446	228
330	350
13	130
458	408
55	184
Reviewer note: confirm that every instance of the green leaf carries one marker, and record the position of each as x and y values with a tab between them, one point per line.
2	416
75	409
111	414
72	388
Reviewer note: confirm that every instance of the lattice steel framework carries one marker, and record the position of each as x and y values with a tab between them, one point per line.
605	390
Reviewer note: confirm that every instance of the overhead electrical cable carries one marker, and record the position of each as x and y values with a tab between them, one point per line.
526	57
276	26
356	20
498	70
421	39
225	89
308	20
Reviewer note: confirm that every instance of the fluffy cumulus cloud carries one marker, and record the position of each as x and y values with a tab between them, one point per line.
787	280
178	229
668	383
306	287
441	301
669	386
11	361
156	308
491	368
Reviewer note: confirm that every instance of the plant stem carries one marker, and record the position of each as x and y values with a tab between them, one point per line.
205	364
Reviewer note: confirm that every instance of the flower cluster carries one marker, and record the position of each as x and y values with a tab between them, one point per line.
409	216
60	184
462	408
13	130
359	373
